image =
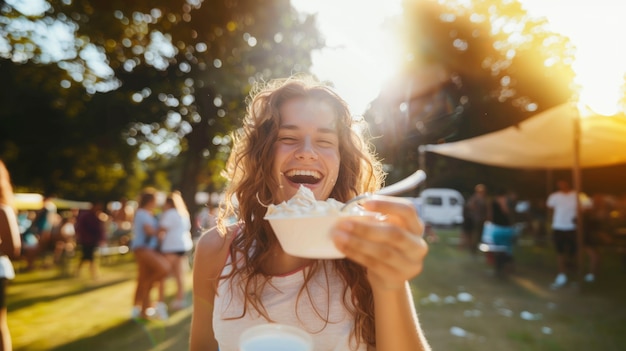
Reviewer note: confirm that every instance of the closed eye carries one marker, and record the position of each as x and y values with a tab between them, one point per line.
327	142
287	139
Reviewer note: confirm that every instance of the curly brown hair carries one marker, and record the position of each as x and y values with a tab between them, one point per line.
249	171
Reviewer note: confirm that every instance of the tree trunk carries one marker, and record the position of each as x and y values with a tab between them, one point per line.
198	140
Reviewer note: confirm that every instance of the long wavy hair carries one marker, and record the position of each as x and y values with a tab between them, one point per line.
175	199
249	171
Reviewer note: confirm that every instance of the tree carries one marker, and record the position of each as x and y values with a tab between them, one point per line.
46	143
169	77
469	68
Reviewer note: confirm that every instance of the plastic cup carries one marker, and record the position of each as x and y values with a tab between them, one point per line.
275	337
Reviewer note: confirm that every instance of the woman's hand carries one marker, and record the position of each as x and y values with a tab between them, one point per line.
392	249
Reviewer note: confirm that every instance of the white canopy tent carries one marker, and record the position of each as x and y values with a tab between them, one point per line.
546	141
558	138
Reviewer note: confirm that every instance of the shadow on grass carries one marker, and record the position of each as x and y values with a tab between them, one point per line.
136	335
44	277
80	289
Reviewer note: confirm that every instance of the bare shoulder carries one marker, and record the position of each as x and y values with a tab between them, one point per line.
212	249
214	242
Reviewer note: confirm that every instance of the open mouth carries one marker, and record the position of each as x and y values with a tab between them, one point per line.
303	176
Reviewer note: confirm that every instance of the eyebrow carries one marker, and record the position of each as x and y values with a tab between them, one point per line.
321	130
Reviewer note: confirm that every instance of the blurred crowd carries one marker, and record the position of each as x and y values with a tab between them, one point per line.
550	221
50	238
603	214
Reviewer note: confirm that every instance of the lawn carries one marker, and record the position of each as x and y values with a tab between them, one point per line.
461	306
49	311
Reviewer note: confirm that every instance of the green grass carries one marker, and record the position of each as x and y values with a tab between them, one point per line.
51	312
573	318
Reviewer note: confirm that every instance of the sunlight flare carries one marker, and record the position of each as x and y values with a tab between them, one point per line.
361	53
600	62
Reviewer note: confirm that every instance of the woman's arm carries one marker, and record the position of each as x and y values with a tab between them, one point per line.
393	252
10	241
397	326
209	257
149	229
164	225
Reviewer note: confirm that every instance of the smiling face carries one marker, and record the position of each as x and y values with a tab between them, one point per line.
306	151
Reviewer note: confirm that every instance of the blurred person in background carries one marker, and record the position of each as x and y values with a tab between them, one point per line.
597	224
122	218
66	242
41	231
478	206
467	229
501	211
501	214
206	218
152	266
90	235
563	207
175	244
10	247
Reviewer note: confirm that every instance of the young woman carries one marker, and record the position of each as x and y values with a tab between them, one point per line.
298	131
152	267
175	237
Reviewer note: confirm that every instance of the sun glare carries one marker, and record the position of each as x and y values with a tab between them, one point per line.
360	53
600	61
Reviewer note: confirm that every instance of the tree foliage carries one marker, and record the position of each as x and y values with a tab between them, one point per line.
469	68
161	80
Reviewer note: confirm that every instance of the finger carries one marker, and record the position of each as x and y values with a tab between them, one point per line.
400	211
378	258
381	232
376	235
384	260
377	232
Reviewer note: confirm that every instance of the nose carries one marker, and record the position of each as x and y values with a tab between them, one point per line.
306	150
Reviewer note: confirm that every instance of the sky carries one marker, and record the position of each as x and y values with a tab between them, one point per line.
358	43
596	27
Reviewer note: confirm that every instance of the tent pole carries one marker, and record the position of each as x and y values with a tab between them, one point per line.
422	158
549	182
576	174
546	223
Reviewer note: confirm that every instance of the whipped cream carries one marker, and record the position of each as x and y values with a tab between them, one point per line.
303	203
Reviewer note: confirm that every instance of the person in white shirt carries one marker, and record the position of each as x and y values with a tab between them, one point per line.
563	204
175	241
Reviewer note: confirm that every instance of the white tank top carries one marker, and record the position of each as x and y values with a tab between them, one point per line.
279	298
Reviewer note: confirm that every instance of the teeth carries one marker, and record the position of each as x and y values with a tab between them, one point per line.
301	172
